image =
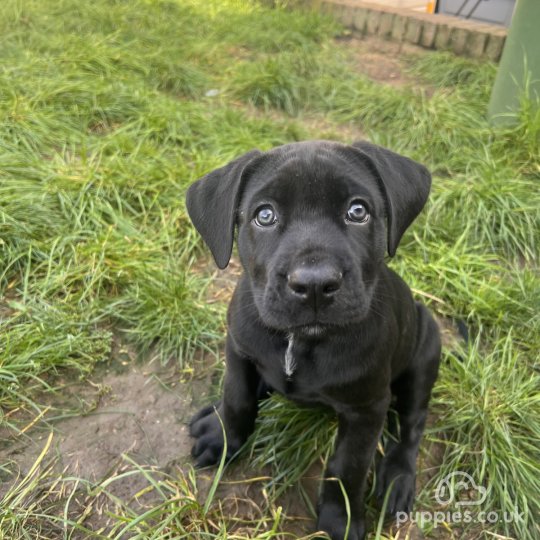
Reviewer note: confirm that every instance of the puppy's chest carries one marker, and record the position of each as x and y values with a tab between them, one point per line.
307	370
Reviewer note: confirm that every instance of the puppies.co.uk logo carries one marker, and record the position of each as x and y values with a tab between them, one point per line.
459	490
453	486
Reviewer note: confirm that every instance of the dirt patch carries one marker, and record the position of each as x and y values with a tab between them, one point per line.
381	60
138	419
139	409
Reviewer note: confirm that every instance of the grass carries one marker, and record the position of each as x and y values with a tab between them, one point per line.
43	505
495	404
110	109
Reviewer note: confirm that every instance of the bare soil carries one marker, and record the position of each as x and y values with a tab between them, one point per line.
382	61
132	412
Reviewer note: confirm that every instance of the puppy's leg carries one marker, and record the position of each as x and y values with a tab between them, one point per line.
358	433
237	410
412	390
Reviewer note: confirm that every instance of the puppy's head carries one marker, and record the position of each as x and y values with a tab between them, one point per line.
314	222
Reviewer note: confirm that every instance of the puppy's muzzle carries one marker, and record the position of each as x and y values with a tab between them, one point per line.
314	285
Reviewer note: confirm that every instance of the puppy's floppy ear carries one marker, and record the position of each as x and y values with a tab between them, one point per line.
404	183
212	202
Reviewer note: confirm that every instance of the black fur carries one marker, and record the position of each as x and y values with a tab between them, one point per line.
315	286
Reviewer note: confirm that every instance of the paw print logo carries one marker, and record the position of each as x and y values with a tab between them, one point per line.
454	485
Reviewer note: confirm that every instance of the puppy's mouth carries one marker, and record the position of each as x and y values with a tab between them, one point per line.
312	330
280	310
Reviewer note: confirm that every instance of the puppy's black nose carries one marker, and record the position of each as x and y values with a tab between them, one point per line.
315	284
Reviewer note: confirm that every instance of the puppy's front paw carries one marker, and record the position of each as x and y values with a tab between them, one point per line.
333	521
206	427
400	480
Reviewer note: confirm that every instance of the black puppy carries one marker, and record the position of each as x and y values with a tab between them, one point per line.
317	314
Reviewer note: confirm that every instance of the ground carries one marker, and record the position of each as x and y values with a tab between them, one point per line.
112	313
140	408
150	424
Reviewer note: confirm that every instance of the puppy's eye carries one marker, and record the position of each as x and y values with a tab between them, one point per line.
358	212
265	216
